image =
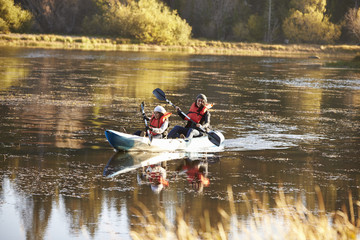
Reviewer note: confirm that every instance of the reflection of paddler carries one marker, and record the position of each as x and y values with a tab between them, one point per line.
155	175
196	172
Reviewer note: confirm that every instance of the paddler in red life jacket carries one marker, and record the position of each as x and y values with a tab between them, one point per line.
158	123
199	112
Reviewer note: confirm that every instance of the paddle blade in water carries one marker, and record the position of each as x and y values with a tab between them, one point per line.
159	94
215	137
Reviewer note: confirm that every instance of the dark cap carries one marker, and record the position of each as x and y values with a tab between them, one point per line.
202	96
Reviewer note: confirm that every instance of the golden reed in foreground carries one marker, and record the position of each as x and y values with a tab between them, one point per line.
287	220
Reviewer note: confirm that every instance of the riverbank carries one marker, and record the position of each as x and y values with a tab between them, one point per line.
194	46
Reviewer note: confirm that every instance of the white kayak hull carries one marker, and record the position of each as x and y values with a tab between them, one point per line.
128	142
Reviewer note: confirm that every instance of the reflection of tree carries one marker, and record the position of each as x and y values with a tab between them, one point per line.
67	123
148	198
151	74
353	99
12	72
36	220
77	189
87	198
136	76
306	100
85	212
34	212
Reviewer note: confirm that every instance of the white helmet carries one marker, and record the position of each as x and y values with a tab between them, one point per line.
159	109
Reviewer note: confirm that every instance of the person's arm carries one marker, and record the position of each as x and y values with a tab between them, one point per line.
161	129
206	120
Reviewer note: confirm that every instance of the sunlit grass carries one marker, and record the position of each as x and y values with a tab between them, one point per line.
198	46
288	220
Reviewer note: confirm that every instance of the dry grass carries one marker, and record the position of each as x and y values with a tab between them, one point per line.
194	46
288	220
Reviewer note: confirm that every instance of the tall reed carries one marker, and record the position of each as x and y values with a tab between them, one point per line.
288	220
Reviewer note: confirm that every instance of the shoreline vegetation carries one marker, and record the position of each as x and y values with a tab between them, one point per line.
194	46
290	219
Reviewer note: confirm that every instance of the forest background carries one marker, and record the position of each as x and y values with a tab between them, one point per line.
169	22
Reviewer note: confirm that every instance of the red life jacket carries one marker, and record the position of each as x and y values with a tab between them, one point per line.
197	115
193	176
157	123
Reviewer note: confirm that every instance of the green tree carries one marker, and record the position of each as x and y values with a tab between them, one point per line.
13	18
212	19
252	31
241	31
275	12
352	22
149	21
262	21
308	23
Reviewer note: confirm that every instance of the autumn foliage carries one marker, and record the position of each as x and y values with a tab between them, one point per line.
13	18
309	24
148	21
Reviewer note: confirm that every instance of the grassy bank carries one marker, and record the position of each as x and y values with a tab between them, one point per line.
194	46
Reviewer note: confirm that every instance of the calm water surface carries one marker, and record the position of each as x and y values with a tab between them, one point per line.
287	121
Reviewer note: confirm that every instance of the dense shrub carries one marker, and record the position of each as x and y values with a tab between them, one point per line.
13	18
241	31
352	22
310	24
148	21
4	27
252	31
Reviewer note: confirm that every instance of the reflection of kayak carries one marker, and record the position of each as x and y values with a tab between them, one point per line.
123	162
127	142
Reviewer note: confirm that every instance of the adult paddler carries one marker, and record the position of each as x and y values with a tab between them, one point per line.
199	113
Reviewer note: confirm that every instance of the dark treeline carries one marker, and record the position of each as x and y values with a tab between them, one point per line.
272	21
254	20
59	16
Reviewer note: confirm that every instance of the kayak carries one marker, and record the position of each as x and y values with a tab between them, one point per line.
128	142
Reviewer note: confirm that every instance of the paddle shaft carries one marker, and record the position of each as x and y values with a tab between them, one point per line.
146	124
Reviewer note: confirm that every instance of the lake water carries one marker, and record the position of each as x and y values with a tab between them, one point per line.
289	123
